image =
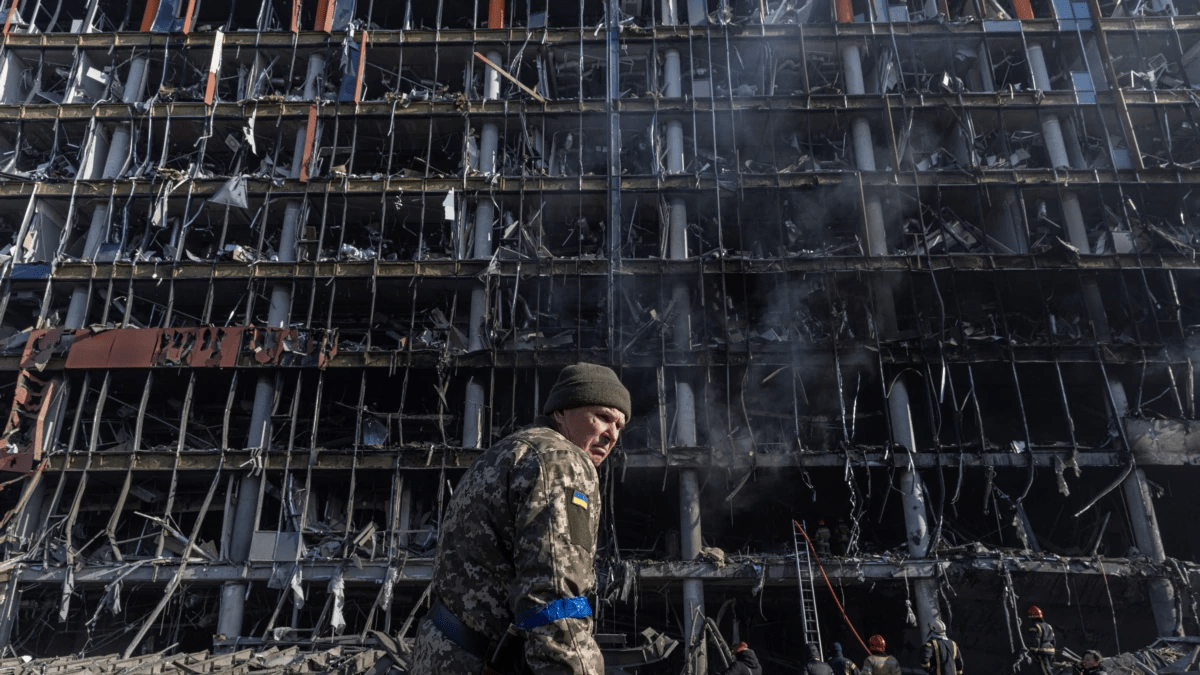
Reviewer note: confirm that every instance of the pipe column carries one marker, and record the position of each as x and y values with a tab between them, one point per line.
1137	494
245	518
1052	134
899	410
114	166
473	413
690	540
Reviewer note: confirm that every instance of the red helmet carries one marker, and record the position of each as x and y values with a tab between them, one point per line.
1035	612
876	644
821	522
741	647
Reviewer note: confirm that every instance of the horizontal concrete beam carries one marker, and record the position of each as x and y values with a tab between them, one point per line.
742	571
380	271
753	34
518	186
425	457
1062	102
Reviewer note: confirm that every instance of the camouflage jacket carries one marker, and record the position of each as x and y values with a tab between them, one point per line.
520	532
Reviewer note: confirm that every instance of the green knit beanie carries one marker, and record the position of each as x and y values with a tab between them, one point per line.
586	384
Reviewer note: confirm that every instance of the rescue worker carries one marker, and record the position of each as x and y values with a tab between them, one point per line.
1042	637
814	665
821	539
516	558
879	663
940	654
1090	663
841	536
745	662
839	664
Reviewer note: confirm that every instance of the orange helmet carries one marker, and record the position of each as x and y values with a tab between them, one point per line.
741	647
1035	612
876	644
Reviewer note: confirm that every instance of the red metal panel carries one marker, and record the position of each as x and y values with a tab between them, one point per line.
120	348
295	16
12	11
148	17
324	20
40	347
496	14
362	60
187	16
39	438
216	347
90	350
134	348
310	135
214	68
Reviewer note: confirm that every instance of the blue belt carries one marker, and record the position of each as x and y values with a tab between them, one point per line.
471	640
563	608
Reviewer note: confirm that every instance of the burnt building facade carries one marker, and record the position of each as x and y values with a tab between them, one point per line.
922	271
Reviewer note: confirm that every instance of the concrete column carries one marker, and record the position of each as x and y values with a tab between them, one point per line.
1052	134
1149	542
135	81
672	73
474	407
233	595
912	489
685	400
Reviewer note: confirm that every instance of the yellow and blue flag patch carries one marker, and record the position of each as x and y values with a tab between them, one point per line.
579	499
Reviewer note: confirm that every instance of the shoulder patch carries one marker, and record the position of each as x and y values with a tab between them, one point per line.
579	521
579	499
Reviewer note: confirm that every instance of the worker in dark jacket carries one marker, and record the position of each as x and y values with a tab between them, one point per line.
814	665
840	664
940	654
1041	634
879	663
745	662
1090	664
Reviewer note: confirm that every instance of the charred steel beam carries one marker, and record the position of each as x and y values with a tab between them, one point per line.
424	458
743	572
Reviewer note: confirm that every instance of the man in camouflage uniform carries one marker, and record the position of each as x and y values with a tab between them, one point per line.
516	558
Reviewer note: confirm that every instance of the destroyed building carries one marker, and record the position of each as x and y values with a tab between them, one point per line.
924	270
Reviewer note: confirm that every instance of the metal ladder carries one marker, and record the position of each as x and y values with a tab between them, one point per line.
808	592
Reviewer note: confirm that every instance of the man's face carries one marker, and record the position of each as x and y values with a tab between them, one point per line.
1090	661
594	428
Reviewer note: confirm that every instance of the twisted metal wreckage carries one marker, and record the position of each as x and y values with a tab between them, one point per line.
922	269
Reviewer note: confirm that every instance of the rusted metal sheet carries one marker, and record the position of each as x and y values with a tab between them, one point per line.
21	442
362	61
12	11
324	21
214	68
41	346
187	16
291	347
148	17
496	14
206	347
310	134
121	348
